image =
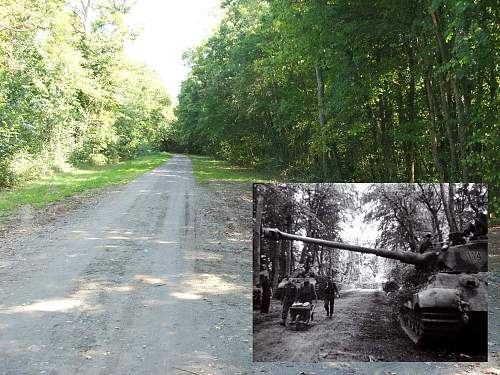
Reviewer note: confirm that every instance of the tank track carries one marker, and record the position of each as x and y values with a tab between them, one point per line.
422	324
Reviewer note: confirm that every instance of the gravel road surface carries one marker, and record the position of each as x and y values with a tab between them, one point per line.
136	282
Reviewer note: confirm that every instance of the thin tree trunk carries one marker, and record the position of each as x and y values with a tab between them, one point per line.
449	134
289	246
257	238
462	128
432	128
275	261
322	116
288	260
451	205
282	256
449	215
411	109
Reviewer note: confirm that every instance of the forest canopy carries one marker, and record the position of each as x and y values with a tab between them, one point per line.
343	91
68	92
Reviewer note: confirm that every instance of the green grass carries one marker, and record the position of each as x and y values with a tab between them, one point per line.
41	192
207	169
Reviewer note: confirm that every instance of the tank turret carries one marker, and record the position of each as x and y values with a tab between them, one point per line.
452	302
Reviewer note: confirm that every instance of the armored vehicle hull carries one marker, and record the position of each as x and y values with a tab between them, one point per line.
451	303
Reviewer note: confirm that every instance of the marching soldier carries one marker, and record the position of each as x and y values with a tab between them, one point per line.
330	292
266	294
288	298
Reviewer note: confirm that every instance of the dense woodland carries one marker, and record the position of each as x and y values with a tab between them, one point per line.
336	90
403	215
68	93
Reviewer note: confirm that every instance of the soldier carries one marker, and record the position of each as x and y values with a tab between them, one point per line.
266	294
426	245
330	292
481	226
288	298
307	293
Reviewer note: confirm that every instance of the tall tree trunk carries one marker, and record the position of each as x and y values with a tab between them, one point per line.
432	127
449	133
256	239
462	128
322	116
385	143
411	109
275	262
289	245
451	205
450	218
288	260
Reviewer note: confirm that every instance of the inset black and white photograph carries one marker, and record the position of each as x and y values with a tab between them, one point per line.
370	272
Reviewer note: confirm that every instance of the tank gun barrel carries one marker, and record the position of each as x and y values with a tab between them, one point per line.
405	257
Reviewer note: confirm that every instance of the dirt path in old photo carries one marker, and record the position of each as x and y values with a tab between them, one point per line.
149	278
361	330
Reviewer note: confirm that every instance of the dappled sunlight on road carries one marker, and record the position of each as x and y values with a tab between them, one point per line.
190	296
47	306
123	288
165	242
211	284
206	256
81	300
230	239
150	280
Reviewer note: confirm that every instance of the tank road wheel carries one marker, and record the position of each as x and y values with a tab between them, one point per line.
412	324
419	324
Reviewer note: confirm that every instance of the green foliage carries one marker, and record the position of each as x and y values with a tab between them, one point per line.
61	185
209	170
67	91
410	90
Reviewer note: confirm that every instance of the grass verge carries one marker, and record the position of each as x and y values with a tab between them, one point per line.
207	170
41	192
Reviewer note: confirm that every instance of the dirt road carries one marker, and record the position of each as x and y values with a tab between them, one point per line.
361	330
146	279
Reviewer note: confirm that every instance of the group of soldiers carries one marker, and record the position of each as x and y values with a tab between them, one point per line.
306	294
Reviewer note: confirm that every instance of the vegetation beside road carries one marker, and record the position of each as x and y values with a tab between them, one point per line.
59	186
207	169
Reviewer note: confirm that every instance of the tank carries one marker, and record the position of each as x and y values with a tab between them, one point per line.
453	301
